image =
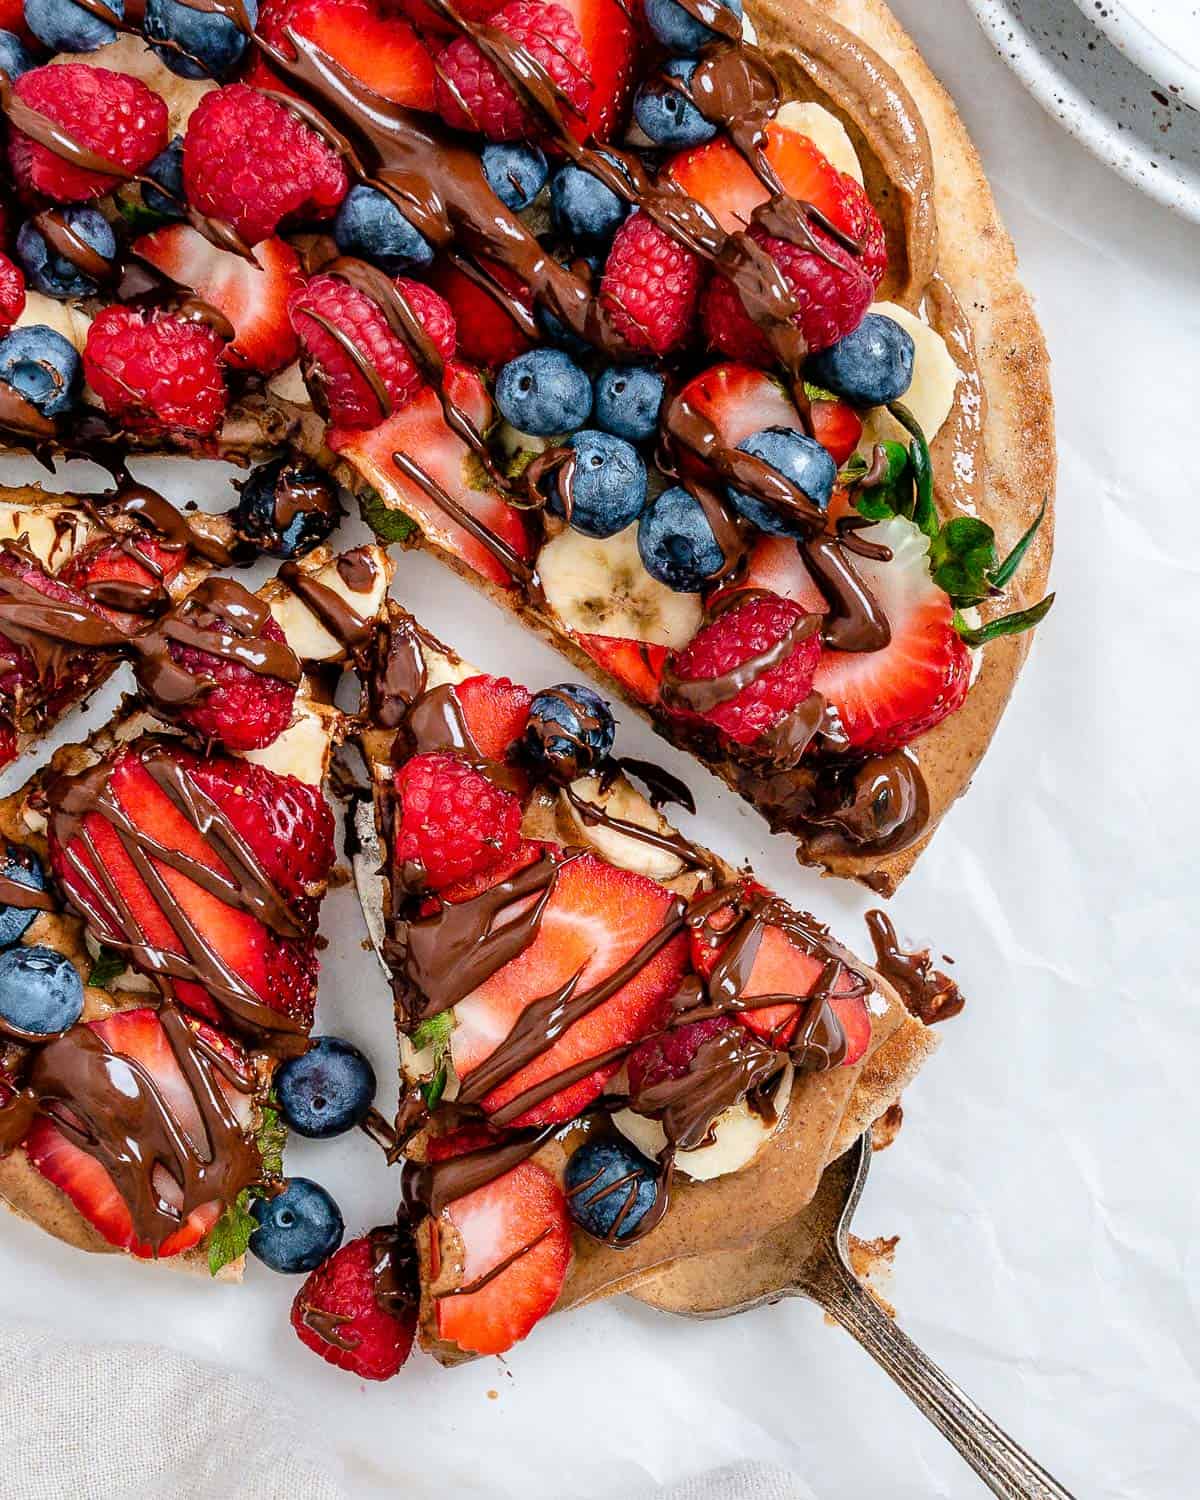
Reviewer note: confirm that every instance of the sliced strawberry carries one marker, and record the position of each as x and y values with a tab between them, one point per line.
111	562
781	967
496	711
596	919
429	23
420	431
720	177
254	299
520	1218
370	1341
636	665
739	400
887	698
370	42
260	965
138	1035
775	564
837	427
488	335
610	39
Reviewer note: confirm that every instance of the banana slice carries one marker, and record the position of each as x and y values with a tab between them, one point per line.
302	750
739	1135
619	800
51	533
305	634
826	132
64	317
930	398
130	54
599	587
289	385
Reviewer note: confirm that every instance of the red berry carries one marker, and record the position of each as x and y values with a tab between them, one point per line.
496	711
473	94
12	293
156	372
650	286
831	296
250	161
110	114
371	1342
670	1054
378	48
454	821
488	334
746	631
241	710
347	393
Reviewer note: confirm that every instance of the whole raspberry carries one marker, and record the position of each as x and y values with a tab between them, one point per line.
110	114
650	286
369	1341
663	1058
12	293
242	710
831	299
472	94
250	161
453	821
734	638
156	372
329	300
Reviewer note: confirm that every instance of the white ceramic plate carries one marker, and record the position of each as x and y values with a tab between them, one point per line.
1161	36
1097	92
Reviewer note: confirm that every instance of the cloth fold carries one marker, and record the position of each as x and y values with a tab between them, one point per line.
130	1421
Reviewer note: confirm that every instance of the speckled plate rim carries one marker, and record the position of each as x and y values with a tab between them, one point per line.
1138	37
1172	179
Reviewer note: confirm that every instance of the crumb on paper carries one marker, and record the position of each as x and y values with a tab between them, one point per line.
873	1262
887	1127
338	877
493	1395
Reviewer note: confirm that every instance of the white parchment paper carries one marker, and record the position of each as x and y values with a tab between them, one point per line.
1044	1185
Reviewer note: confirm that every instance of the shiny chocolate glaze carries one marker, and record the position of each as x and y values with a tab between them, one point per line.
928	994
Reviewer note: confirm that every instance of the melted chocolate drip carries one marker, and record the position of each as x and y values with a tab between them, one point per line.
927	993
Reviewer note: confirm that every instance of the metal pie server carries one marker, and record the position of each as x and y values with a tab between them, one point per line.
808	1257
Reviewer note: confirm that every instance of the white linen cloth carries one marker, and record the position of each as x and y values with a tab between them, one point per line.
130	1421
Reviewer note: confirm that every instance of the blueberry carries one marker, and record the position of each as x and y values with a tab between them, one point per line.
676	542
608	1181
869	367
628	400
297	1229
43	367
287	507
570	731
798	458
40	990
53	274
553	328
583	208
516	173
666	114
167	170
680	32
369	225
64	26
607	487
14	59
23	866
327	1091
205	45
544	392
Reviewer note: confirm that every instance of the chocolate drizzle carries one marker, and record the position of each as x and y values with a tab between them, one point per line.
927	993
352	631
108	1105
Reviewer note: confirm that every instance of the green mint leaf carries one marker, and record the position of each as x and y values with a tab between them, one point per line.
924	511
230	1235
1024	619
474	472
1001	575
106	966
434	1032
961	558
435	1088
388	523
818	392
519	461
270	1138
854	469
140	218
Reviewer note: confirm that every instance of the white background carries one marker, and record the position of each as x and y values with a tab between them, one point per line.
1044	1184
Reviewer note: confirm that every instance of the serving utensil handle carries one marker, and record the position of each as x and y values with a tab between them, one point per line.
1001	1463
